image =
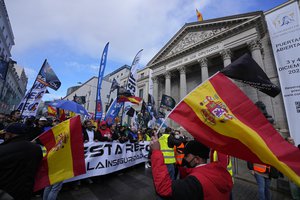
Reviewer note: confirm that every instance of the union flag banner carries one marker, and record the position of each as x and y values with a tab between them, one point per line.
218	114
65	154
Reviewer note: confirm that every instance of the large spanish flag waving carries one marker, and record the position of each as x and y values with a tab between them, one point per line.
65	154
218	114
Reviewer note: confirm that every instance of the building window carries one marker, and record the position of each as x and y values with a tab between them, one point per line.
141	93
121	74
142	75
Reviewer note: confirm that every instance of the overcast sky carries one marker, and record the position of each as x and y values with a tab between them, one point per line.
71	34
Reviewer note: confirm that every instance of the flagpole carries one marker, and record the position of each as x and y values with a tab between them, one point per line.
27	98
134	62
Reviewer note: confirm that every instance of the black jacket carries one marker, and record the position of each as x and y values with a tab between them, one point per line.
97	135
19	161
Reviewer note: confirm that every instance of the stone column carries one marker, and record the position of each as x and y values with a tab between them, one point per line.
155	89
204	69
250	91
255	47
182	86
226	55
168	83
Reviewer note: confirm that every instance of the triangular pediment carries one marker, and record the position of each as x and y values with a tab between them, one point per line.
193	34
192	38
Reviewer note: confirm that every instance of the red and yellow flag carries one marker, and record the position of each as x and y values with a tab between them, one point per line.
199	16
218	114
65	154
132	99
51	111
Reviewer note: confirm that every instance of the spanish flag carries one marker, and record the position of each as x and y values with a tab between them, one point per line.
132	99
218	114
199	16
51	111
65	154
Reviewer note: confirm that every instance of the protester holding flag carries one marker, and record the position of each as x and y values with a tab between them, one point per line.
202	181
19	160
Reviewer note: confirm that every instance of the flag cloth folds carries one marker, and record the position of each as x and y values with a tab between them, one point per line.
51	111
131	99
65	154
218	114
48	77
246	70
114	85
98	108
199	16
167	102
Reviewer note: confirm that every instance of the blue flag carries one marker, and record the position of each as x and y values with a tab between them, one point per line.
99	109
113	112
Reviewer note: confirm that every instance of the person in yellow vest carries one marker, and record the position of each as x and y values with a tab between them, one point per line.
225	160
177	140
263	180
168	152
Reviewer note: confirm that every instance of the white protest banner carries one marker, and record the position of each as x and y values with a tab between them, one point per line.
106	157
284	29
30	102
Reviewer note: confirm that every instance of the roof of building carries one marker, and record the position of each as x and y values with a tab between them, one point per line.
116	71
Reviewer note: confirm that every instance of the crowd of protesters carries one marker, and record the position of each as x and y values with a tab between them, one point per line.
180	167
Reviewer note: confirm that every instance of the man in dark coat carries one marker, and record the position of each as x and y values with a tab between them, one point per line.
19	160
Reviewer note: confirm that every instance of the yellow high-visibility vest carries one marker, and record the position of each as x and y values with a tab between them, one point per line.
168	153
229	164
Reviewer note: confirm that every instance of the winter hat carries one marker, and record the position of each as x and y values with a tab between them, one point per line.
197	149
103	123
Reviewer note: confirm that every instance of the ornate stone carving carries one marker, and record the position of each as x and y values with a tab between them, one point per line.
254	45
226	54
181	69
167	74
193	38
203	62
155	79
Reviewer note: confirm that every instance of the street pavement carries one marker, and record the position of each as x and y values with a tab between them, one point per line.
136	183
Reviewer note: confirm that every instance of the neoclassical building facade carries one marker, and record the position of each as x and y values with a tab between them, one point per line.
200	49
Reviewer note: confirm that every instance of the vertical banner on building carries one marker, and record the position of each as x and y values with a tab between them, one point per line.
99	108
32	99
284	28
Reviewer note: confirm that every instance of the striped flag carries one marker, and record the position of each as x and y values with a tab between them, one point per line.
65	155
199	16
131	99
51	111
218	114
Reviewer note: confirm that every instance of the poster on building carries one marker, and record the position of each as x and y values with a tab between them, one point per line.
284	28
106	157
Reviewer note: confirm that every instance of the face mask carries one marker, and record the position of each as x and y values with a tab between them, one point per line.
188	164
177	136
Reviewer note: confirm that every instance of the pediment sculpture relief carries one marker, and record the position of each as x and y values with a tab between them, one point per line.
192	38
